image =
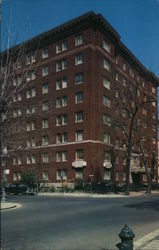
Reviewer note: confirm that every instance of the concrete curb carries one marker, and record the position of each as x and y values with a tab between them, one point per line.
132	194
147	241
9	205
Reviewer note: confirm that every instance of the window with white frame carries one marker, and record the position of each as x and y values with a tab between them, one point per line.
154	140
45	175
58	102
117	93
106	138
79	135
31	159
19	112
79	97
79	78
78	40
153	90
79	116
153	115
64	64
106	83
64	82
106	175
45	158
14	82
154	104
15	177
45	88
106	64
124	66
58	84
64	45
106	156
19	97
116	76
64	101
19	64
61	174
58	66
123	81
106	101
106	46
117	176
79	59
106	119
45	140
79	154
61	156
45	123
45	53
61	120
58	48
79	173
61	138
45	106
64	119
45	70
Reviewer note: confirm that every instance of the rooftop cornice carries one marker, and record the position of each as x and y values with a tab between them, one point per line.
90	19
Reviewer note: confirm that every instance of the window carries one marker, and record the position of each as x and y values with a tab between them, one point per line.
116	77
154	140
17	160
58	48
106	137
79	97
106	101
64	45
79	116
45	157
45	106
64	83
45	123
61	156
153	90
19	64
124	82
79	78
45	140
58	84
30	59
106	174
106	83
64	101
45	88
117	93
30	76
79	135
31	143
45	53
106	64
106	156
19	97
78	59
45	71
58	102
61	101
45	175
61	138
117	176
31	159
116	60
61	120
14	82
138	93
61	65
78	40
30	126
106	119
124	66
79	154
106	46
61	174
79	173
153	115
154	104
19	112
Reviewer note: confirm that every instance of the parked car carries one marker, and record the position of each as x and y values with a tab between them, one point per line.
18	188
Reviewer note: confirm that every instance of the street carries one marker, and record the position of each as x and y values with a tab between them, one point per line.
75	223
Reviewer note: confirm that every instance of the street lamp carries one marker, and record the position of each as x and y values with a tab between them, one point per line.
4	162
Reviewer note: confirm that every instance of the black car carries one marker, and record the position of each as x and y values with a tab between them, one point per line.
18	188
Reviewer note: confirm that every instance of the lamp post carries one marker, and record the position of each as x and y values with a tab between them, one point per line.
4	162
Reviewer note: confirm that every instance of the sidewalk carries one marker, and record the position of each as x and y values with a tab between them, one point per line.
94	195
9	205
148	242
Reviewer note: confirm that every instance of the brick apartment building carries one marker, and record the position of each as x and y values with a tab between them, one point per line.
68	85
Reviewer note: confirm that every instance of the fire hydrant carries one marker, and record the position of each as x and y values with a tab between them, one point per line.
126	235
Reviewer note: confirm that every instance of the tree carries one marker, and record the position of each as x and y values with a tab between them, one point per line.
30	178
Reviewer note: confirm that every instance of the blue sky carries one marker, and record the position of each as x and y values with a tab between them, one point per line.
137	21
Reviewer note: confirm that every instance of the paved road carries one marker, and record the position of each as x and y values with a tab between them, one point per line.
60	223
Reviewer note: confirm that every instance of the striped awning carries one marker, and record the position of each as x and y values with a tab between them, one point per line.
107	164
79	164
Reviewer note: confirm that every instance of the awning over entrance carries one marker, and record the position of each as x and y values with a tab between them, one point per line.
107	164
79	164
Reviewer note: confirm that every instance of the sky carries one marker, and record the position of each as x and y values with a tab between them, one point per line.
137	22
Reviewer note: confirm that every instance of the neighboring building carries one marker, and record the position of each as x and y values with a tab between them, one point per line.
69	104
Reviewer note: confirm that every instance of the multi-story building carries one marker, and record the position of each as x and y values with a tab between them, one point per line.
68	86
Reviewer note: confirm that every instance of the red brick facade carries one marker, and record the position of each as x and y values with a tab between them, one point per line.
74	119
